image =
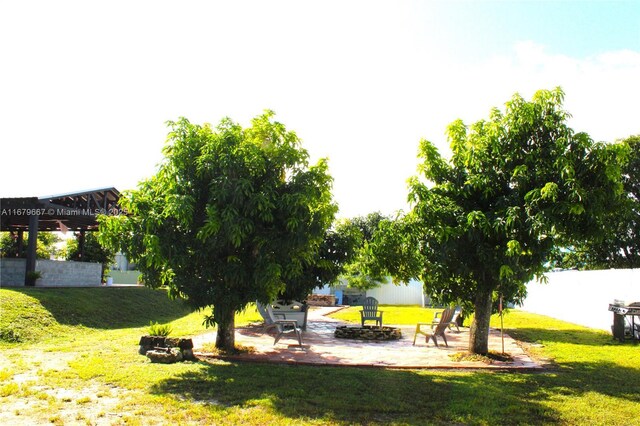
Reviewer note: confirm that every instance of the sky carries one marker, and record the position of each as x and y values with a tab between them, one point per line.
86	88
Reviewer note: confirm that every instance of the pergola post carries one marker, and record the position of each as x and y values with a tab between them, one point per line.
19	242
81	244
29	279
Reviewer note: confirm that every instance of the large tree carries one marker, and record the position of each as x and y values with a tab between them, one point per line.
338	257
231	215
484	222
363	230
619	246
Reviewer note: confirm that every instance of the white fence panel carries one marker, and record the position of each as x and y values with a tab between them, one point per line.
583	297
391	294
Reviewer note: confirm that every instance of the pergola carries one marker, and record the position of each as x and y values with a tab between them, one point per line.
65	212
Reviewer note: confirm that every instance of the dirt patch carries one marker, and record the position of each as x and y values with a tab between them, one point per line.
28	399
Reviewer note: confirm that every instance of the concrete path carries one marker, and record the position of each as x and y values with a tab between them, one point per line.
320	347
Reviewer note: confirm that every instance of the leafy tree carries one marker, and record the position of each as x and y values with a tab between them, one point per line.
619	245
93	251
485	222
45	247
336	250
231	215
363	230
338	257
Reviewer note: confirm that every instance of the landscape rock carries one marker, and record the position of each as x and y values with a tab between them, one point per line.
165	356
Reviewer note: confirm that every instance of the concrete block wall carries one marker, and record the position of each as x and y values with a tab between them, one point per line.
12	272
55	273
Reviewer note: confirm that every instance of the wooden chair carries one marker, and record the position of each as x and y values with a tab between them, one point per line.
282	326
440	328
454	319
370	312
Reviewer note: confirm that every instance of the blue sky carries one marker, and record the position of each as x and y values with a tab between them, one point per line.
577	28
86	87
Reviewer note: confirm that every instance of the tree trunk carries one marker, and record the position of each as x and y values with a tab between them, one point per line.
226	337
479	332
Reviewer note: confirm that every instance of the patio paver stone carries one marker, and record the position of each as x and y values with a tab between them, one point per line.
320	347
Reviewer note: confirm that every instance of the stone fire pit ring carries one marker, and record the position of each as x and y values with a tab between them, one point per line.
368	332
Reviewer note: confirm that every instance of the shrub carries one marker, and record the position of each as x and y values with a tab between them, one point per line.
10	335
162	330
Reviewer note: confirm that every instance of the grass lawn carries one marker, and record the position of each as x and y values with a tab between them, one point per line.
392	315
69	356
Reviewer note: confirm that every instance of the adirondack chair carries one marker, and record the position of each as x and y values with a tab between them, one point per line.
440	328
370	311
454	319
276	322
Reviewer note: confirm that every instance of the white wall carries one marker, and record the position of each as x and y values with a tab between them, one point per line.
583	297
387	294
391	294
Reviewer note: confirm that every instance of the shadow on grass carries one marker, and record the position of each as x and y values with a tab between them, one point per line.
358	395
108	307
605	378
587	337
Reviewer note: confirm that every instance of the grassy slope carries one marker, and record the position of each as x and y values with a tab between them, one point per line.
30	315
595	382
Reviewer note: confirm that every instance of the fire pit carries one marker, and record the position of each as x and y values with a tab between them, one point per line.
368	332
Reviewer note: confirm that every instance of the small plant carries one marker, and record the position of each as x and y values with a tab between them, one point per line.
10	335
83	400
161	330
9	389
34	275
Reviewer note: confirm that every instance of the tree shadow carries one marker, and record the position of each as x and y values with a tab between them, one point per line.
108	308
584	337
363	395
602	377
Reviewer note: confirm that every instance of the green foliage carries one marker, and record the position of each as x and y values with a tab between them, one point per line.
93	251
10	335
33	275
619	245
162	330
339	256
230	217
45	246
328	263
359	232
486	221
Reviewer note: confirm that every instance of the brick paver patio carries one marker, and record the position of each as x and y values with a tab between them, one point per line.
320	347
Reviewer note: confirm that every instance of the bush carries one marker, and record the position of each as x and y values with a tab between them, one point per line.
162	330
9	335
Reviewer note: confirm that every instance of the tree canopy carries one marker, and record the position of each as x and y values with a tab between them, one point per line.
485	222
619	245
231	216
45	246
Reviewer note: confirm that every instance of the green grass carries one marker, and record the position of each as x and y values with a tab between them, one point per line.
392	314
594	379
